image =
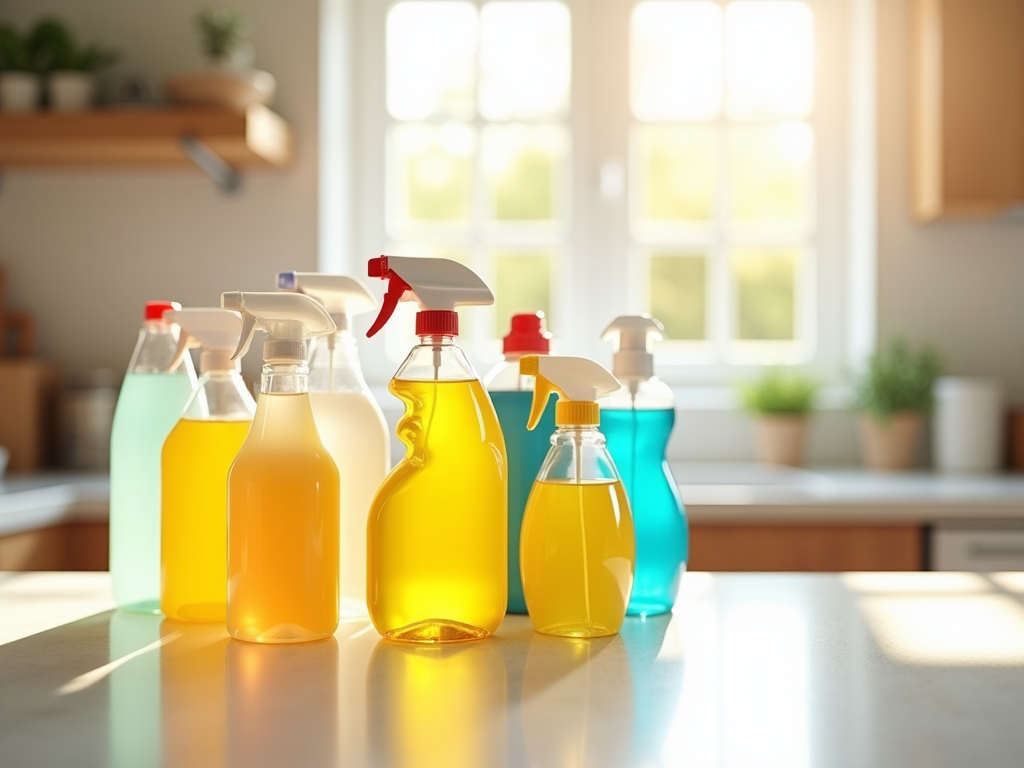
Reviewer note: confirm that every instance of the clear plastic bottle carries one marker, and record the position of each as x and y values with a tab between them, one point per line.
512	395
348	418
437	535
149	405
578	545
637	420
196	458
283	490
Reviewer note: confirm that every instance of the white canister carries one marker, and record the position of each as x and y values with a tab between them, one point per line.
19	92
968	424
71	91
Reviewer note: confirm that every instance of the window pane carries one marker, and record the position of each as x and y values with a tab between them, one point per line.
524	167
765	290
522	284
769	59
525	60
678	294
431	60
770	173
434	173
677	177
676	60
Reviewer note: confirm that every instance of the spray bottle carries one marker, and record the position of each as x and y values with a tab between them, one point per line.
438	528
638	419
283	491
348	419
150	403
196	458
512	395
577	552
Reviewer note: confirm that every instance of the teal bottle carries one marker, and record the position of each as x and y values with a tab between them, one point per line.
512	396
637	421
149	405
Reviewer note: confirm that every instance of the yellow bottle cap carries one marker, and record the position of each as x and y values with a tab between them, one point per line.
581	412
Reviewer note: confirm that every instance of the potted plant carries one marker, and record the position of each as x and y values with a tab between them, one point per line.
893	393
781	402
230	81
71	71
19	82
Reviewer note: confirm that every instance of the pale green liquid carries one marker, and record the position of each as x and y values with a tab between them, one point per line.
148	408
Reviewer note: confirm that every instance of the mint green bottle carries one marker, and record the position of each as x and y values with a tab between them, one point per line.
150	403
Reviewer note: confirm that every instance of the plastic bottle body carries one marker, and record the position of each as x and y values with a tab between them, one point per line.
437	534
637	440
355	434
578	548
512	396
283	497
148	406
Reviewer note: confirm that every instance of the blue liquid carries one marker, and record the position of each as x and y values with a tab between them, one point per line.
637	440
526	452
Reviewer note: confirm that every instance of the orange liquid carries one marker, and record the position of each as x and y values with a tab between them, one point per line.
283	497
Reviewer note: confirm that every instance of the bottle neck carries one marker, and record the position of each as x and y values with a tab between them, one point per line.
290	378
436	358
334	365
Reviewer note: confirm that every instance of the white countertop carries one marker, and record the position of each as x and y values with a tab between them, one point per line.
757	671
712	493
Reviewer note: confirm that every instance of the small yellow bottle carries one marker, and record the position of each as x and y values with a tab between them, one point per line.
577	550
283	491
438	528
195	460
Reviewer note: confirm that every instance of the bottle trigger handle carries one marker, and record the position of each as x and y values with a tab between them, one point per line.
397	288
529	365
248	330
185	341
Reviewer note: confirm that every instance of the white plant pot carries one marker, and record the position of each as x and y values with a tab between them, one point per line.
72	91
19	92
968	424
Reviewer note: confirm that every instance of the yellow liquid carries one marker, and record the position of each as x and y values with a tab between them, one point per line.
578	556
194	517
283	528
437	535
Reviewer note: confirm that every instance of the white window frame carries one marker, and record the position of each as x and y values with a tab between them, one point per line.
596	280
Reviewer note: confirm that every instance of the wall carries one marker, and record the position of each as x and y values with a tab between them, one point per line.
85	249
955	285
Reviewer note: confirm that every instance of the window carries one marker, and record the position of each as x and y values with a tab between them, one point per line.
681	157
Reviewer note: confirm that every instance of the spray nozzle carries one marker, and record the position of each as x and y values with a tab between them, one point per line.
632	358
438	286
215	331
342	296
288	318
578	382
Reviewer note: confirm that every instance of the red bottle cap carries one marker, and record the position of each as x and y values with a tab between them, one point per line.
527	335
437	322
155	309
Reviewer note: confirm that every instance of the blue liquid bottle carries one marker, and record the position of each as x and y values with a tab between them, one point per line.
637	421
512	395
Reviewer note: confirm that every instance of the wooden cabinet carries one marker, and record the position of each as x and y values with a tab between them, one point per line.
967	107
800	547
81	546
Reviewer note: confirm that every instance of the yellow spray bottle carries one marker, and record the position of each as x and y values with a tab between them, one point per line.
577	551
437	536
196	457
283	487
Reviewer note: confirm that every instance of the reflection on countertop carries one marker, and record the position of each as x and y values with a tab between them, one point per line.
750	670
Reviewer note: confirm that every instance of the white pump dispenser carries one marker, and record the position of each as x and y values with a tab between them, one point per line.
348	419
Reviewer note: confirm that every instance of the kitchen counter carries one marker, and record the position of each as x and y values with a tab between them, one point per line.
870	669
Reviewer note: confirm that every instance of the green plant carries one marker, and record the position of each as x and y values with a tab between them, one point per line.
781	392
15	53
897	378
53	48
222	30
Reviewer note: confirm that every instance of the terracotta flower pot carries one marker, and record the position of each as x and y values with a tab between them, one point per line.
780	439
891	445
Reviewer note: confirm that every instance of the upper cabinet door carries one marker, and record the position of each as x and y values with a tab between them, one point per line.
967	125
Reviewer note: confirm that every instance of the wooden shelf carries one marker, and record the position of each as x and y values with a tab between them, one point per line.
146	137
